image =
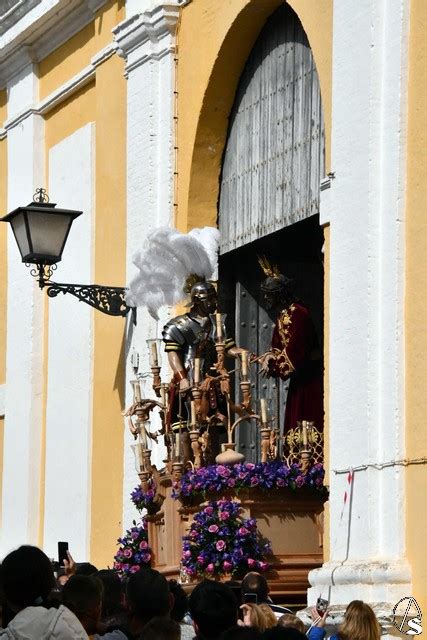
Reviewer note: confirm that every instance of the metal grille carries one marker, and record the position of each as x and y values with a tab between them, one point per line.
274	157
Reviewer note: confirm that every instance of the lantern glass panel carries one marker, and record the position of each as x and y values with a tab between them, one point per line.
20	231
48	233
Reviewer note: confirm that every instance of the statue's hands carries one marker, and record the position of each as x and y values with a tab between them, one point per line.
264	362
184	385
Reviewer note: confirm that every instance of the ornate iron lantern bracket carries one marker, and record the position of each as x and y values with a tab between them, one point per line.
109	300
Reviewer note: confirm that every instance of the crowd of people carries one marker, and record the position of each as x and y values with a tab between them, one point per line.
81	602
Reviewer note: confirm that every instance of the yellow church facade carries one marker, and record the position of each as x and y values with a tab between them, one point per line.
125	110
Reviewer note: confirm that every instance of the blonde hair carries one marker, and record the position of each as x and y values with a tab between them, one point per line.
269	617
289	620
261	616
359	623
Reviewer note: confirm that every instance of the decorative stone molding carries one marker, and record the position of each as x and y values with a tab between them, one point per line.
40	31
11	11
62	93
148	35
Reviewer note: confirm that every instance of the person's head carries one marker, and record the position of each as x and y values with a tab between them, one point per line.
254	582
359	623
283	633
270	619
85	569
27	576
289	620
254	616
180	601
161	628
112	597
213	609
276	288
148	595
83	596
241	633
203	298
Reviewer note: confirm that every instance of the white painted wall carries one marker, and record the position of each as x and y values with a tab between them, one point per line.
70	356
24	358
366	209
147	44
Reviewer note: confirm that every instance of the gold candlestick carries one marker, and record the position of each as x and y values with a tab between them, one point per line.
195	445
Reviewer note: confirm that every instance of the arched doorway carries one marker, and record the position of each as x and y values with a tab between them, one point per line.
270	186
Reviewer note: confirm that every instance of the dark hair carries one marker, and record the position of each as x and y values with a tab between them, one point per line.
85	569
180	604
112	592
283	633
254	582
148	593
27	576
161	628
213	608
82	594
241	633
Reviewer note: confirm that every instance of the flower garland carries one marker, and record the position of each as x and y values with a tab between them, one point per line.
144	499
220	541
134	551
269	475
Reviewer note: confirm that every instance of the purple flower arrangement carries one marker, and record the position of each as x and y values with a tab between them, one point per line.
221	542
134	551
144	499
219	478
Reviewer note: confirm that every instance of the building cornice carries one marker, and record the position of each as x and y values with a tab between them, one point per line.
148	35
63	92
40	31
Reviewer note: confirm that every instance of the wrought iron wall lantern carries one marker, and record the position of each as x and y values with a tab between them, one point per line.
41	231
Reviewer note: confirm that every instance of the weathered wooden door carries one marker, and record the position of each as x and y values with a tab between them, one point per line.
272	167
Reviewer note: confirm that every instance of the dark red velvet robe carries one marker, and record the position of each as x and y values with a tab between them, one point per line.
297	357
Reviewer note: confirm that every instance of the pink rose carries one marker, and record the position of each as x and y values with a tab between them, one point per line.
209	511
127	553
263	565
210	568
193	534
118	565
134	568
201	560
243	531
143	545
213	528
251	562
224	515
220	545
227	565
187	554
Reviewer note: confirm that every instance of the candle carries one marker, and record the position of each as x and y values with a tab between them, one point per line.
136	391
244	355
154	356
196	370
218	326
304	433
263	411
193	413
163	394
178	444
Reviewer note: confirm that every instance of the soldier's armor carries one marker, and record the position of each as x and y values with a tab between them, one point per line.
191	337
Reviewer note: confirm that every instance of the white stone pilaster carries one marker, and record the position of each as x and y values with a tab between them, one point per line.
70	356
366	367
25	327
147	42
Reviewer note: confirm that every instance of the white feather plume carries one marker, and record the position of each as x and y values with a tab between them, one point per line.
166	260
